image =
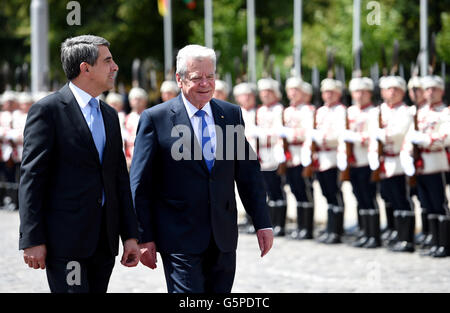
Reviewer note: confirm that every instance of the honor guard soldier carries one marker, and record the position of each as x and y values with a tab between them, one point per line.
169	89
417	96
221	91
356	137
390	126
138	102
269	119
386	232
330	120
431	138
244	94
115	100
298	124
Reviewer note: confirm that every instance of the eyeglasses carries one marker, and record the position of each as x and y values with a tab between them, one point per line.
197	79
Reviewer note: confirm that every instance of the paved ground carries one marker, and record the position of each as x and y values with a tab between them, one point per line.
291	266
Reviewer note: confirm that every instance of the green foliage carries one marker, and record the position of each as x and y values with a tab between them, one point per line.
135	30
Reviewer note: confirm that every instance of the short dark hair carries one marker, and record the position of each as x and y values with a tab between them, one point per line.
80	49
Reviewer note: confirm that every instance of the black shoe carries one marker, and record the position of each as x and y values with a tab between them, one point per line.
333	238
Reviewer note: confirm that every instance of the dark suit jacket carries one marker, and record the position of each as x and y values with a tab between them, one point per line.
60	192
179	204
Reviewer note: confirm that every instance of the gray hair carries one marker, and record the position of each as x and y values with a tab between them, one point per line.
77	50
195	52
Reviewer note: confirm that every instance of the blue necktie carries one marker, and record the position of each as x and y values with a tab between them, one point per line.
98	132
208	152
97	127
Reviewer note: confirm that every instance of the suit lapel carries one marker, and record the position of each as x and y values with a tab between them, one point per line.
180	120
75	115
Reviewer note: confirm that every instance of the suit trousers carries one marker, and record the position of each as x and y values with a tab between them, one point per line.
209	272
89	275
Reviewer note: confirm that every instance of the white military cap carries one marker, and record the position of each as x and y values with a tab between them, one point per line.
271	84
307	88
39	95
242	89
113	97
415	82
433	81
137	92
222	86
9	95
360	83
169	86
294	82
381	83
394	81
25	97
331	84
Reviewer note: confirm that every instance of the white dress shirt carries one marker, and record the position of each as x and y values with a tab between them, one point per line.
196	121
83	99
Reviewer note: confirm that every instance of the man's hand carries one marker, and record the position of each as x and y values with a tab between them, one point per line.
35	256
265	240
131	253
148	254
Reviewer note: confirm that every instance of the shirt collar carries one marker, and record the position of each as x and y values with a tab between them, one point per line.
191	109
81	96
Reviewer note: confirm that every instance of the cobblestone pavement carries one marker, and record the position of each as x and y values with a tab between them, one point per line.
291	266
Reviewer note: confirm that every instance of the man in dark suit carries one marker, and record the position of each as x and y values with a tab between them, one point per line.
186	161
74	194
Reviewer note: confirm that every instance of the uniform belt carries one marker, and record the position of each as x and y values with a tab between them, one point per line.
296	143
391	155
326	149
430	151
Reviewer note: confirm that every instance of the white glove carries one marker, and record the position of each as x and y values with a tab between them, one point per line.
350	136
380	134
420	138
317	135
374	163
305	157
285	132
341	159
407	162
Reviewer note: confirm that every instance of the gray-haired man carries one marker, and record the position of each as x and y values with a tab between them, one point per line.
74	190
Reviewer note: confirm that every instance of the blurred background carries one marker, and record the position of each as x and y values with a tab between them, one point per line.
136	31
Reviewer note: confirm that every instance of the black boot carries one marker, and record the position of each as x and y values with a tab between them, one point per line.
374	240
337	227
444	237
394	233
300	221
324	236
430	244
390	222
364	226
280	221
406	232
420	238
308	221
